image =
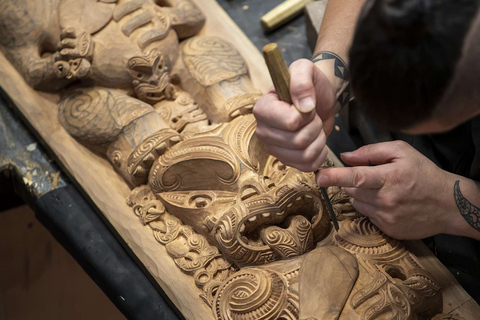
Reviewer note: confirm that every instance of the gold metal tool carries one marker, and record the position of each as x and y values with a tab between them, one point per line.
281	80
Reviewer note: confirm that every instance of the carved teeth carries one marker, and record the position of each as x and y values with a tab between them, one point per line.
279	213
266	214
242	228
235	114
148	160
252	219
162	147
175	140
139	171
248	192
298	199
308	197
289	205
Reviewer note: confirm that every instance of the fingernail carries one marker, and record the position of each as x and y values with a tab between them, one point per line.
322	181
306	104
346	154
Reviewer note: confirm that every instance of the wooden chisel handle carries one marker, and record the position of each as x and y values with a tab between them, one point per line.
281	80
278	71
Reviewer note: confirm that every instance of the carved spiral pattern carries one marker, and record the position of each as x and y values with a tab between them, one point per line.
212	59
195	256
363	237
116	158
97	116
251	294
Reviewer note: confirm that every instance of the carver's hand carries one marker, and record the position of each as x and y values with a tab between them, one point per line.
296	134
406	195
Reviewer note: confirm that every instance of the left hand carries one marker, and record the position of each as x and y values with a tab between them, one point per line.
405	194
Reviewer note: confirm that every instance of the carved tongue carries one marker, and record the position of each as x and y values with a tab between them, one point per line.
327	276
292	241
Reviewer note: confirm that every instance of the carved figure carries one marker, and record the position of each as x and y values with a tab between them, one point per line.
173	119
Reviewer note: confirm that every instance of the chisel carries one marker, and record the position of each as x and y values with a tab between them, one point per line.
281	80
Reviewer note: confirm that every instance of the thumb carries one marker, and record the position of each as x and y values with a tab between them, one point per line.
378	153
302	89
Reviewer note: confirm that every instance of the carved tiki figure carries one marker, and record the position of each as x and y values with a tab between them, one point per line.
174	120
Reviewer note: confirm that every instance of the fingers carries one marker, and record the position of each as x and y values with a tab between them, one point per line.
67	43
278	114
308	159
291	140
357	177
68	33
378	153
69	54
302	88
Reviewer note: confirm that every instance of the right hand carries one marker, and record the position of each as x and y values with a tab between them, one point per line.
298	138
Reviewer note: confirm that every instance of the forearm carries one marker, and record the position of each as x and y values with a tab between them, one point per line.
465	207
335	36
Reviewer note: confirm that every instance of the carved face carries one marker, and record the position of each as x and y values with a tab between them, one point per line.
151	79
223	183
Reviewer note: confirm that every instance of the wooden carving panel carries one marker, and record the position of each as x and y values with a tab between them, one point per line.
151	101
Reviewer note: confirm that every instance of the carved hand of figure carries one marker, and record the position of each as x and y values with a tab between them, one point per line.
405	194
298	139
74	54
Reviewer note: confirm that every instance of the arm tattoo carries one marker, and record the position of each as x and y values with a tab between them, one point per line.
341	71
469	212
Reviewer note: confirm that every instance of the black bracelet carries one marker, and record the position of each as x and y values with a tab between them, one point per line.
341	71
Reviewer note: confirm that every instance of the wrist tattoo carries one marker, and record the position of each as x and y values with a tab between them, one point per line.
340	71
470	212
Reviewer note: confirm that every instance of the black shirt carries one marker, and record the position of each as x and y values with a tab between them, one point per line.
457	151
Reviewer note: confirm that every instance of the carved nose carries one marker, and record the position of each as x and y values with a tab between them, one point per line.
154	79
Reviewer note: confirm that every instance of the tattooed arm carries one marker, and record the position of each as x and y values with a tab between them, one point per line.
466	193
333	43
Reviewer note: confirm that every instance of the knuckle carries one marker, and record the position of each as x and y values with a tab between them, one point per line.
300	64
260	133
309	156
301	85
399	144
273	152
302	140
293	123
388	201
258	109
358	178
319	161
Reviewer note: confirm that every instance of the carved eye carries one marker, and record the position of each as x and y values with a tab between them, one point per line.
248	192
139	75
160	66
200	201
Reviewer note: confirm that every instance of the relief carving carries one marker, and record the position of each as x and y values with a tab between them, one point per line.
172	112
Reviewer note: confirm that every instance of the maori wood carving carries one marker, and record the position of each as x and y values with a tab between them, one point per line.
171	111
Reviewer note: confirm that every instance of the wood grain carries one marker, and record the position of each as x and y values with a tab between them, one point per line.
278	71
108	191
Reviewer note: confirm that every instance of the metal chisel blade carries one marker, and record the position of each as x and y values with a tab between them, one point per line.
325	197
